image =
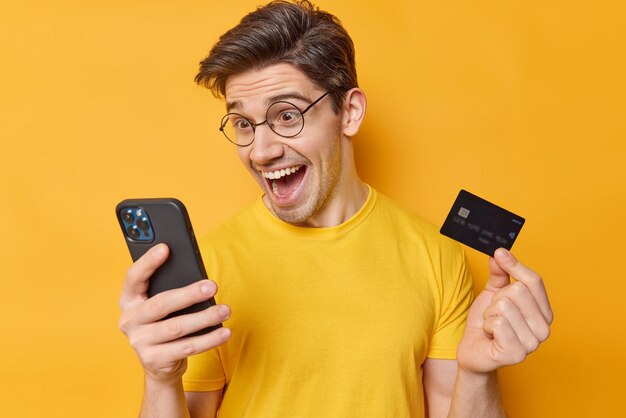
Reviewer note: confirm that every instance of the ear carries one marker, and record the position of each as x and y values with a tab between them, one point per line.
354	106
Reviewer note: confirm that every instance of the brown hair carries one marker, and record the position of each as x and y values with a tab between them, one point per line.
297	33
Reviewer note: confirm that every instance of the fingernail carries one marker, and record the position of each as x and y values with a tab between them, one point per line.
224	311
504	253
205	288
158	251
225	333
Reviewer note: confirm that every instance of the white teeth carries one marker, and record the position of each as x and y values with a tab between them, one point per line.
275	175
275	187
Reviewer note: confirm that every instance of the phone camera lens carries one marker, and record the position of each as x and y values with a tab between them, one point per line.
143	224
127	216
133	232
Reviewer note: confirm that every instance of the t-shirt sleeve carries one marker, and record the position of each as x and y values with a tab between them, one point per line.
456	295
204	372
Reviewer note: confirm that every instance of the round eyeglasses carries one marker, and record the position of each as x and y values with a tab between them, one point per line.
283	118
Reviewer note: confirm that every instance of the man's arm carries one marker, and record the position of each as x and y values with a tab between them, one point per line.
506	323
475	395
161	399
204	404
439	376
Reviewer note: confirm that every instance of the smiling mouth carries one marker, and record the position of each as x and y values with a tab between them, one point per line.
285	181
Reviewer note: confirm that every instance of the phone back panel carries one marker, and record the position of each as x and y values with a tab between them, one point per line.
171	225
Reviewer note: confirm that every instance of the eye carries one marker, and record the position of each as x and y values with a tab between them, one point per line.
288	117
241	124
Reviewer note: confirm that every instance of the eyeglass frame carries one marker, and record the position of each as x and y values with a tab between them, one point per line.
254	125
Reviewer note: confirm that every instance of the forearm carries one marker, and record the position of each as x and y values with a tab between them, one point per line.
476	395
165	400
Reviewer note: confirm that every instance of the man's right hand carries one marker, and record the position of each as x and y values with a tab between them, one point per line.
159	344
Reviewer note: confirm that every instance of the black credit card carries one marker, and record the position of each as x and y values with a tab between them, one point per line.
480	224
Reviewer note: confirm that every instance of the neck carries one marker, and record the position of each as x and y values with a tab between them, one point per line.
339	209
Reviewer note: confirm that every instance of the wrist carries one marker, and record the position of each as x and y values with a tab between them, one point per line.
480	379
170	376
164	398
157	382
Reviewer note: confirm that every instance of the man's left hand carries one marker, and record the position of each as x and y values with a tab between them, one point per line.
507	321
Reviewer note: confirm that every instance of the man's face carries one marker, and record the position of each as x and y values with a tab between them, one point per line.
301	176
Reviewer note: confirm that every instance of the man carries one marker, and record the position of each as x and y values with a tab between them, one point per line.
343	304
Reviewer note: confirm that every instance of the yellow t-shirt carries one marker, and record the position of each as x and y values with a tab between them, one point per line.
331	322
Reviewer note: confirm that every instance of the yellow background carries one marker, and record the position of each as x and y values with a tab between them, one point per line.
522	102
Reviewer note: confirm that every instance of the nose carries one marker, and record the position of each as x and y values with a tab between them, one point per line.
267	145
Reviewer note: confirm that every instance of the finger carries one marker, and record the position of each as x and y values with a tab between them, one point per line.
507	262
182	348
520	296
498	278
507	309
507	349
174	328
164	303
138	275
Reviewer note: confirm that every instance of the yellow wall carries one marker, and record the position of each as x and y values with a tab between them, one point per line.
523	103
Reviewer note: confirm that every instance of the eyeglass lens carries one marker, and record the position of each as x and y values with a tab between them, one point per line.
284	118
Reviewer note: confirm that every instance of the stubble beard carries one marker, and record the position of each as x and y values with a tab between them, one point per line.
323	191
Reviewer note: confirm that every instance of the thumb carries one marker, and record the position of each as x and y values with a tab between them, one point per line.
498	277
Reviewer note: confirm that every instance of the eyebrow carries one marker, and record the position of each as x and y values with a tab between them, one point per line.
235	104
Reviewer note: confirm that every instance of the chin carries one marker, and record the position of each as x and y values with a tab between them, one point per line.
292	216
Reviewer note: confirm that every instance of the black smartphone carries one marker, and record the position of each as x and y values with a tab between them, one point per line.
148	222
